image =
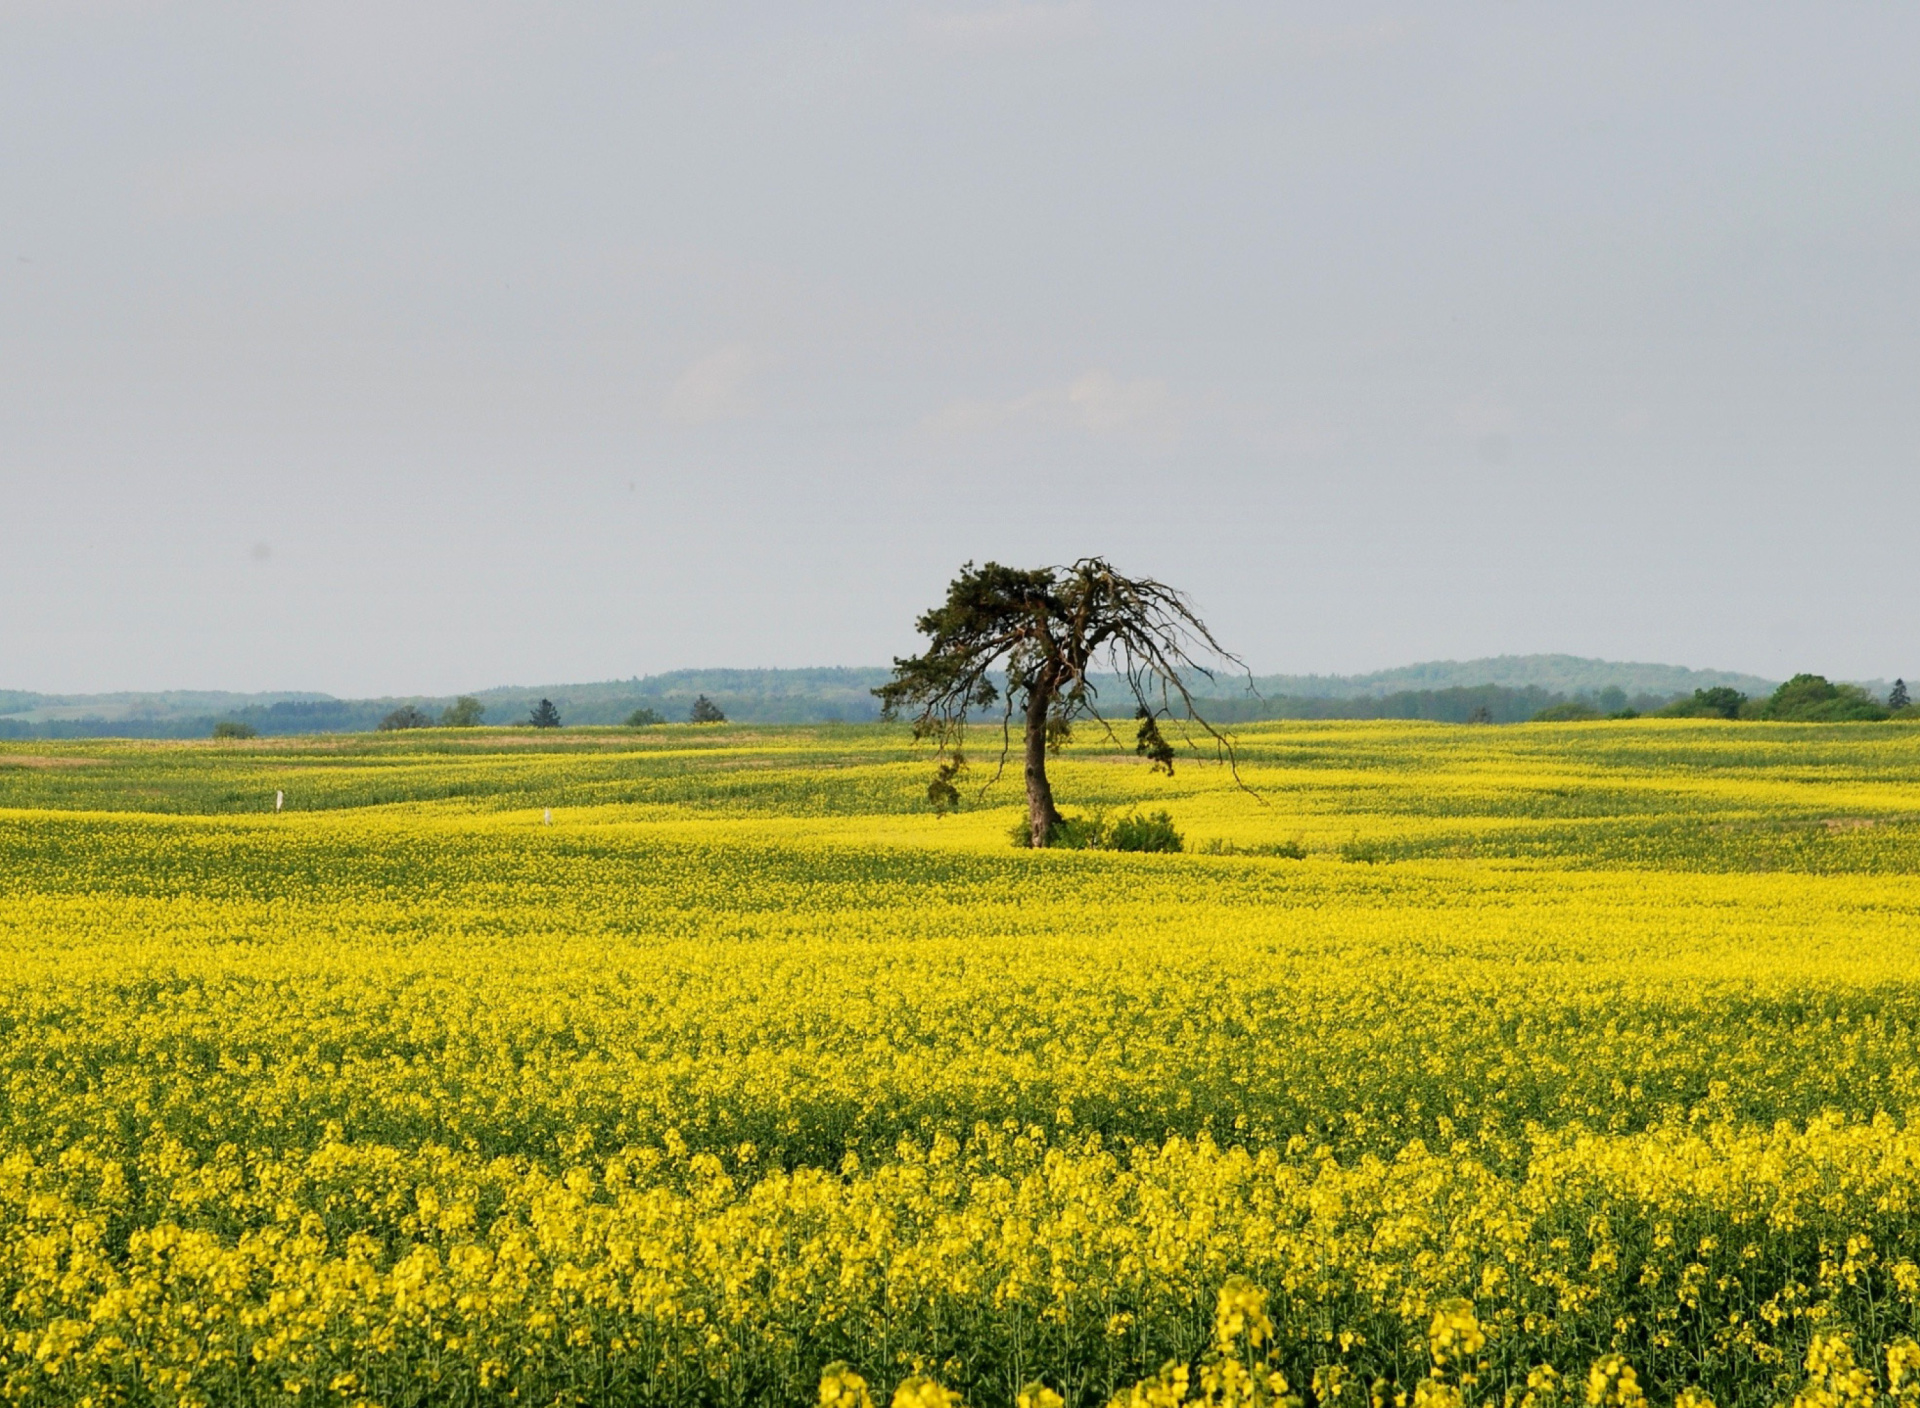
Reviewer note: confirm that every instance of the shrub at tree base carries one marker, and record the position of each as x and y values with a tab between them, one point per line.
1132	832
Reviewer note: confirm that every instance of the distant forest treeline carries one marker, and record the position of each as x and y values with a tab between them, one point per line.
1512	688
1507	689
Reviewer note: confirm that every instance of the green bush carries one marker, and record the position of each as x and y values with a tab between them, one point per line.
1813	699
230	728
1132	832
1137	832
1573	711
645	718
406	716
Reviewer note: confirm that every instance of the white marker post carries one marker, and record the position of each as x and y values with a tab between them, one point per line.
549	816
279	800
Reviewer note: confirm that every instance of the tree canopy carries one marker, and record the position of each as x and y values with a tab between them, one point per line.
464	712
544	715
1031	640
1813	699
1720	702
705	711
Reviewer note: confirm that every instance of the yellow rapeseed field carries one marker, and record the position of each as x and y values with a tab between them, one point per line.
1530	1066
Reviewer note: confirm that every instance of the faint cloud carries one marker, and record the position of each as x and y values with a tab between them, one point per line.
1014	26
1106	405
713	388
270	177
1097	403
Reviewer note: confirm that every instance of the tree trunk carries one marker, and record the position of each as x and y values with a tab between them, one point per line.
1041	815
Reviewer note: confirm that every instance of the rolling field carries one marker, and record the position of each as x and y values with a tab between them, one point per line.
1529	1065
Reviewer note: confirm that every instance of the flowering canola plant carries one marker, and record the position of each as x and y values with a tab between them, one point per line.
1535	1066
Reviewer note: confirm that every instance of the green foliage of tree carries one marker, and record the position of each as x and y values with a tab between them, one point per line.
1813	699
230	728
544	715
1049	629
464	712
1720	702
406	716
705	711
1897	697
1572	712
645	718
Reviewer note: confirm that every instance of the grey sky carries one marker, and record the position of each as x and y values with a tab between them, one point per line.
381	348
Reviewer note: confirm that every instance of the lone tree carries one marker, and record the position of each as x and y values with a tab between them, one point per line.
1048	629
705	711
544	715
1897	698
406	716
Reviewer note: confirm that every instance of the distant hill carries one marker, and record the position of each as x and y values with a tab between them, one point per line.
1506	687
1567	675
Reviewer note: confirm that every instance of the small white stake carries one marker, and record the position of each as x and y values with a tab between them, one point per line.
279	800
549	816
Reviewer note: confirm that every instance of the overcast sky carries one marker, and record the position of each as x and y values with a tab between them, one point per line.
381	348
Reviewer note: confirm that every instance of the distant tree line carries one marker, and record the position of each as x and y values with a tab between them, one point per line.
464	712
1802	699
1805	697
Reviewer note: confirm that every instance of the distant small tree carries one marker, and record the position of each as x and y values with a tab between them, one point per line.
1897	697
705	711
645	718
464	712
1481	715
544	715
406	716
232	728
